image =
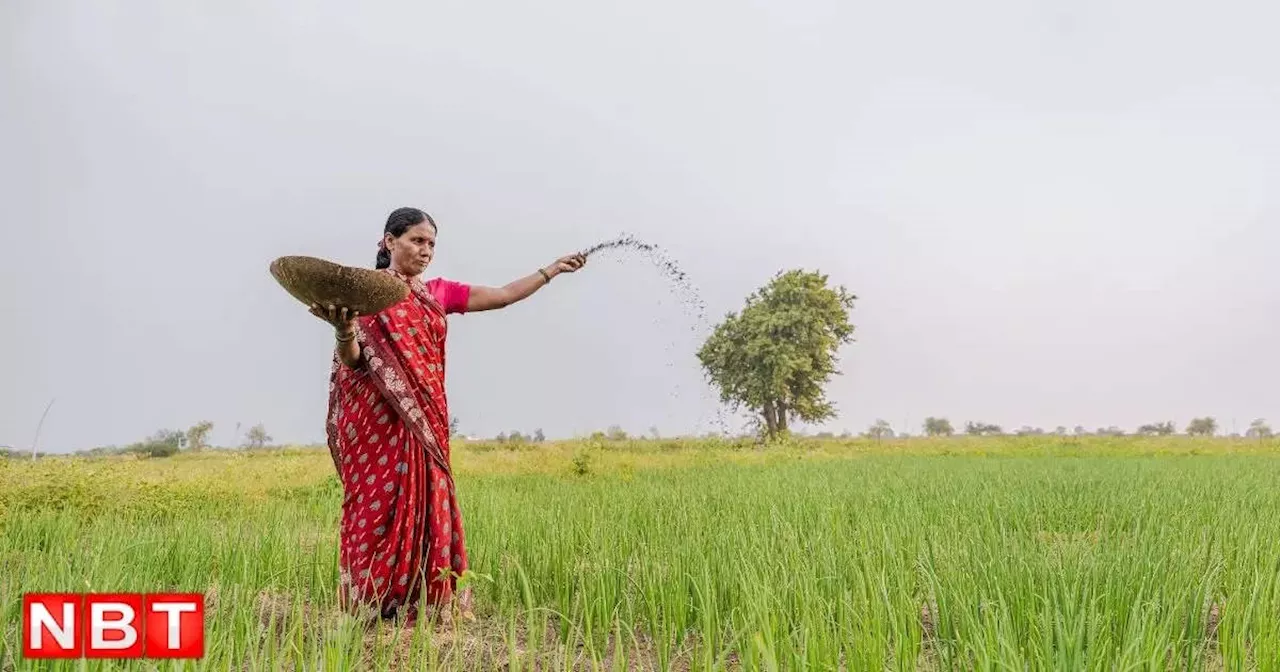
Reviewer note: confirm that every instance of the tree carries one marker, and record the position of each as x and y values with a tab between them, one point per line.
1259	429
774	357
257	437
938	427
516	437
198	435
1203	427
1080	430
880	430
1060	431
653	433
163	443
539	436
616	433
982	429
1158	429
453	426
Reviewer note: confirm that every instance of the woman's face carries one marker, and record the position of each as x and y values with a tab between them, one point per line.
412	252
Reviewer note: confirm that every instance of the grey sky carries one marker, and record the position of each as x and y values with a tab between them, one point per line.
1053	213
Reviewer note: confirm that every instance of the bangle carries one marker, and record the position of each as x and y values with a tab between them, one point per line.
544	275
345	339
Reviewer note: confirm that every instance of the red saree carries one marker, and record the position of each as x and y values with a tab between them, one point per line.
388	434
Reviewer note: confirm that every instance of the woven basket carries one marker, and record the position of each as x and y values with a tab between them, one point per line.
311	280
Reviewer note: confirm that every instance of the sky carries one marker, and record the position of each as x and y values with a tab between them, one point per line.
1051	213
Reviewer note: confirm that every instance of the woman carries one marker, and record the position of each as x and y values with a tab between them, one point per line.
388	427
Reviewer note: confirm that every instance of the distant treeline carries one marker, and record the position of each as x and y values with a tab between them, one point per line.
166	442
1206	426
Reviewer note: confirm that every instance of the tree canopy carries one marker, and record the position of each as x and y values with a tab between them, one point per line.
1203	427
1158	429
880	430
982	429
1259	429
938	427
774	357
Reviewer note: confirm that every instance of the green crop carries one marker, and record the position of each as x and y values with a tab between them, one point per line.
962	554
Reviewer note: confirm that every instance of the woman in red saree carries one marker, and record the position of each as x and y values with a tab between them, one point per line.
388	428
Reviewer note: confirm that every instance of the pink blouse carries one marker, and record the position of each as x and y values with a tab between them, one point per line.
452	295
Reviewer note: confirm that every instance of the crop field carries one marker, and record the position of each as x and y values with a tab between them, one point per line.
1041	553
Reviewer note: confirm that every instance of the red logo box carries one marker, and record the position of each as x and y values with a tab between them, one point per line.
175	625
112	625
51	625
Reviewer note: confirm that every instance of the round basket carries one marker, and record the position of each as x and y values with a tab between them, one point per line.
312	280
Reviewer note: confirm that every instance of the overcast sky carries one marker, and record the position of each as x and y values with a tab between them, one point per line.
1053	213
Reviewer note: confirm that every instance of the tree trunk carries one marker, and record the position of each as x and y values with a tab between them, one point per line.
770	420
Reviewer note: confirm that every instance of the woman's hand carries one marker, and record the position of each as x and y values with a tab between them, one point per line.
569	264
342	319
344	331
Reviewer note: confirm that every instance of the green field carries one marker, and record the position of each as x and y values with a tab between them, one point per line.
989	554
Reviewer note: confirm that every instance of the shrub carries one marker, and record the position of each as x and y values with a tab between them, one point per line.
582	463
163	443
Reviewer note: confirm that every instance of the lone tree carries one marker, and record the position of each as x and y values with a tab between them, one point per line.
1158	429
982	429
1259	429
880	430
257	437
774	357
198	436
938	427
1203	427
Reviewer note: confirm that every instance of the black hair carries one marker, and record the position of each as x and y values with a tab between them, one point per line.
401	220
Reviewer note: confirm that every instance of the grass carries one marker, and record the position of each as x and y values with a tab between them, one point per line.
974	554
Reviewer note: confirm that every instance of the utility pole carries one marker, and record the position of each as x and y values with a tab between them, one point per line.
36	441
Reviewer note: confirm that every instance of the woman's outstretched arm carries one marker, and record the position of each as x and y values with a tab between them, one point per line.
490	298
